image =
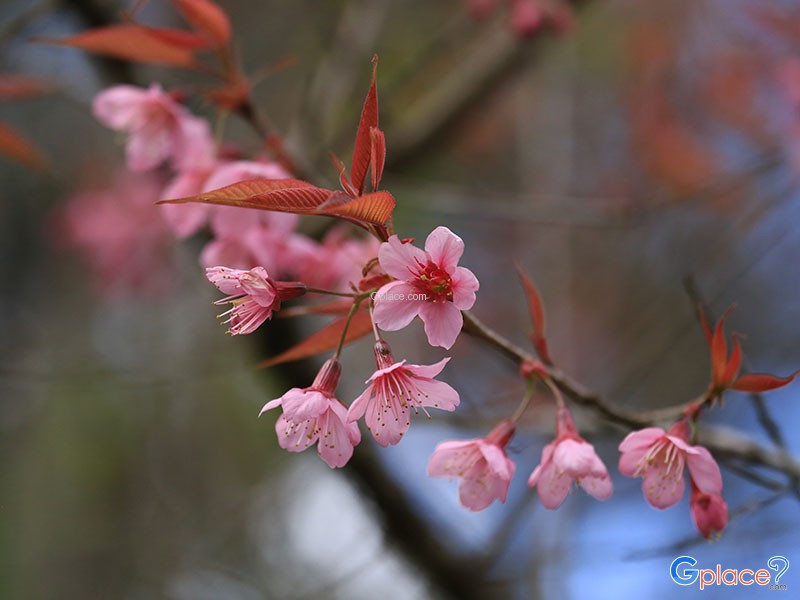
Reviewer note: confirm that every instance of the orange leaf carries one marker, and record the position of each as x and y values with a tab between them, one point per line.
375	208
326	339
17	147
207	18
735	362
19	87
536	309
377	156
178	37
128	42
282	195
363	147
761	382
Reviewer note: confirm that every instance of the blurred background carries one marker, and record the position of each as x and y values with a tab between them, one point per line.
647	146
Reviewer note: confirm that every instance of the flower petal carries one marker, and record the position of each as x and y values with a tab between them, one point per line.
704	471
641	439
359	406
443	322
428	371
600	488
663	486
437	394
401	260
465	284
499	463
300	404
335	442
296	436
453	459
391	313
445	248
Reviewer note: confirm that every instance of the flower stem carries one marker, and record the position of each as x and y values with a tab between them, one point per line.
350	315
332	293
526	400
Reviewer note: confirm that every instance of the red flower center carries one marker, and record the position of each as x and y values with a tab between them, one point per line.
434	282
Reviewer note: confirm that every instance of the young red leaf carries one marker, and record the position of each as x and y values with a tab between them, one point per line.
343	181
282	195
17	147
128	42
719	353
377	156
207	18
326	339
761	382
20	87
735	362
701	313
362	150
375	208
536	309
178	37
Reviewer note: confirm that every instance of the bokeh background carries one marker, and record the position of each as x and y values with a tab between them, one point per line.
651	145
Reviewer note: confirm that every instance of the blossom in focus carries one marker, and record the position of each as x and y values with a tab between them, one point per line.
158	128
659	457
313	415
709	512
481	465
254	296
569	458
394	389
120	234
430	284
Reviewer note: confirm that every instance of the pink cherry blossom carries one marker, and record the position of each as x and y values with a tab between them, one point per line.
119	233
394	389
659	458
314	415
430	284
336	262
253	294
569	458
158	128
484	469
709	512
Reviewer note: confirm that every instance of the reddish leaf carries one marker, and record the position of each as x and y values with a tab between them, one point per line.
17	147
20	87
760	382
128	42
282	195
701	313
363	147
375	208
342	169
325	339
536	309
178	37
207	18
377	156
719	351
735	362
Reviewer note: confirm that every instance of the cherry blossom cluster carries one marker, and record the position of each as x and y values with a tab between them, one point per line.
170	153
380	282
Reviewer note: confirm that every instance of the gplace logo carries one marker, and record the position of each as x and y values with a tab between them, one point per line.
683	572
